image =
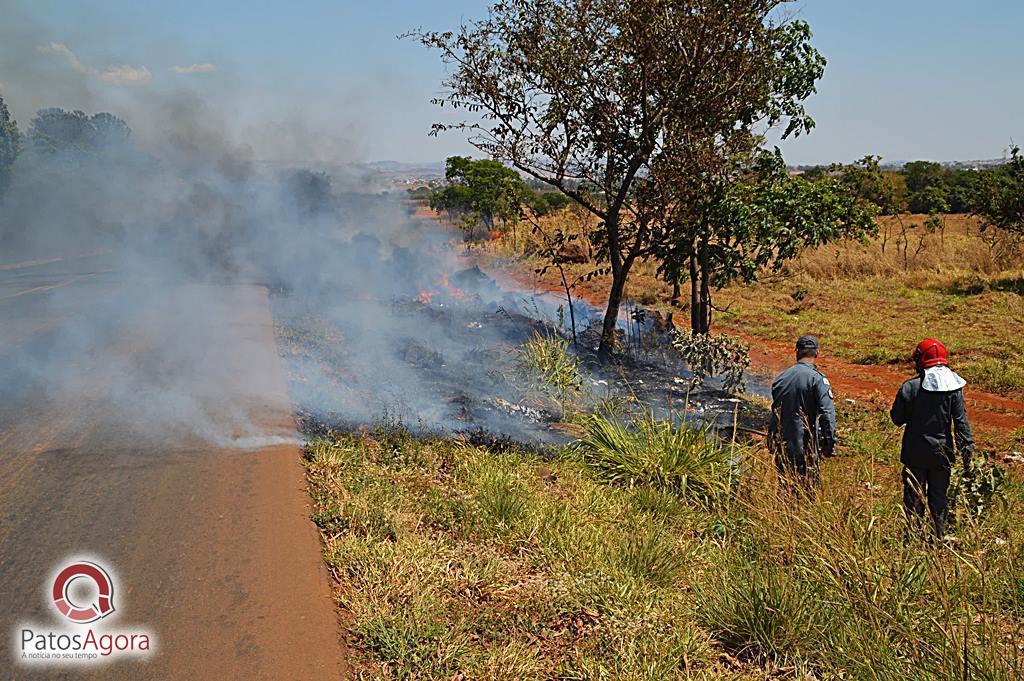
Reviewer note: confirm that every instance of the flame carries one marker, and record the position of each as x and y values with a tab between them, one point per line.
426	297
456	293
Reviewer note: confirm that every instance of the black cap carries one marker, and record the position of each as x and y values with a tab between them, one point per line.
807	343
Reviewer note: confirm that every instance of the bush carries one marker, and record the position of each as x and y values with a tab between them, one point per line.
714	355
758	611
689	461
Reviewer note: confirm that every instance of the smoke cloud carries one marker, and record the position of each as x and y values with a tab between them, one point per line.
157	240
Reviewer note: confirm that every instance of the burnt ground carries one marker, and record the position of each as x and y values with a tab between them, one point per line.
445	362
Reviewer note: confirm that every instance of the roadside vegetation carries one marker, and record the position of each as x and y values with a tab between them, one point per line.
962	285
648	551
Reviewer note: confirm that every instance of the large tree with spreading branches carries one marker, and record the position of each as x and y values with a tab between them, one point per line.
583	94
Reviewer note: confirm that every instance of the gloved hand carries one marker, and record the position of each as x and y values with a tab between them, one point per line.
968	472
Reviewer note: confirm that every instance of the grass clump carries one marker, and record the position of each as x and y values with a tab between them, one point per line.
758	611
546	360
659	454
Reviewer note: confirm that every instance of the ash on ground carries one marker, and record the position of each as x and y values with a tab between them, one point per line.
442	356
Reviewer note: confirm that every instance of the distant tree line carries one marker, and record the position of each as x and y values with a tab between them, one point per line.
925	187
78	177
56	131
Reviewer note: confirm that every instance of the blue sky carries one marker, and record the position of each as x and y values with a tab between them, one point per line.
906	79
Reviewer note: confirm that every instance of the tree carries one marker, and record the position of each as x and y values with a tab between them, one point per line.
481	192
54	131
868	182
1001	202
309	192
582	94
756	221
922	174
10	144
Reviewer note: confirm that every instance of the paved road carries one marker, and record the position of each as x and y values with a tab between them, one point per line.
122	402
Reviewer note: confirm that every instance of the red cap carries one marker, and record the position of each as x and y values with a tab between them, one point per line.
930	353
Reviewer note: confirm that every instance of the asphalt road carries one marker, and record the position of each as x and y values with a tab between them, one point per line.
137	427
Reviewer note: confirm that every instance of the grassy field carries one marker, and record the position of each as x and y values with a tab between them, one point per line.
650	552
644	557
869	305
872	309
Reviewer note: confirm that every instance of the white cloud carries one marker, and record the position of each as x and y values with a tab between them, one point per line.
62	50
126	75
194	68
115	75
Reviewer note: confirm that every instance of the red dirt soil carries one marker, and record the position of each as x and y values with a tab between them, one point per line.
873	384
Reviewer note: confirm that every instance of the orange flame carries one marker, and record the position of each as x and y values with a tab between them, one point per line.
456	293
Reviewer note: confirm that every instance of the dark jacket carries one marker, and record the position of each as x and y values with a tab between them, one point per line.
803	418
935	420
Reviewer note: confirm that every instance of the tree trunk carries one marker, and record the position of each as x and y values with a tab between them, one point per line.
694	294
700	291
611	315
705	292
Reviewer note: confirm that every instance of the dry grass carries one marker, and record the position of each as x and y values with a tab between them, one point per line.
457	562
869	309
872	306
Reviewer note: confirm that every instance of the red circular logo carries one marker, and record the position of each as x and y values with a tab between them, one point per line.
83	614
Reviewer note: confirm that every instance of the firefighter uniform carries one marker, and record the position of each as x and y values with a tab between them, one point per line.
803	419
931	408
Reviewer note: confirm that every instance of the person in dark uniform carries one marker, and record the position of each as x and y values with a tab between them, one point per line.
802	428
931	407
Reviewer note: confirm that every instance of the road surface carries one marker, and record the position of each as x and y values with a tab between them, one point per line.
124	401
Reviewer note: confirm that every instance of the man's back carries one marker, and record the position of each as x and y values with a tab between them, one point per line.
931	406
803	416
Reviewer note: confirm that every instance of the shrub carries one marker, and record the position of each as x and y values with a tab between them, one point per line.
758	611
653	555
714	355
975	495
666	455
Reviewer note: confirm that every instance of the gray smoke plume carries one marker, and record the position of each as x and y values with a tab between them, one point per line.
151	242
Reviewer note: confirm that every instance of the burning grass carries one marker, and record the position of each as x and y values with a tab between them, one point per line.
456	561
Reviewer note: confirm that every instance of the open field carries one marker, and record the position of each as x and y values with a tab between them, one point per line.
870	309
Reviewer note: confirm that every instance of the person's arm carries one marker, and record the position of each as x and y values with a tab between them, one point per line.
962	429
899	410
826	418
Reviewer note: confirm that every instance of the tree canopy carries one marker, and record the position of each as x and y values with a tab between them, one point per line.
752	220
481	192
1001	203
10	143
55	130
585	96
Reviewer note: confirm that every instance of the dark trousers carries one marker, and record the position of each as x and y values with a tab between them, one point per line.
799	474
931	484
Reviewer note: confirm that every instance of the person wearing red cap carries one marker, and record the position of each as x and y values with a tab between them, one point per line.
931	408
